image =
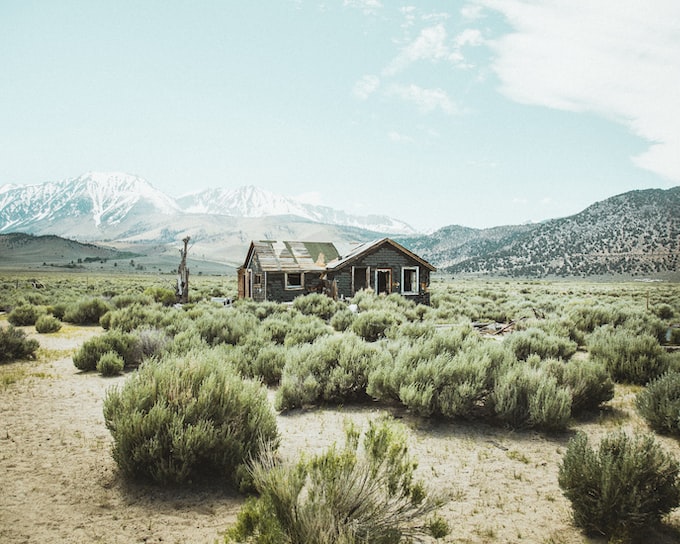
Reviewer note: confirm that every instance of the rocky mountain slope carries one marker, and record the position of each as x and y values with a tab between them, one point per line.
636	233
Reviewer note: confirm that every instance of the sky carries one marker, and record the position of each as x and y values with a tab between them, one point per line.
478	113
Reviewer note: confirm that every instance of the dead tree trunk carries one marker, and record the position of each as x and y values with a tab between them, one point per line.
183	275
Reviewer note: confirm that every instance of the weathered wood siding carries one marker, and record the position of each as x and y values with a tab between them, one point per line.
276	286
384	257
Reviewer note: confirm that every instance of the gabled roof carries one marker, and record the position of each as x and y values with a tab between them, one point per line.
368	247
276	256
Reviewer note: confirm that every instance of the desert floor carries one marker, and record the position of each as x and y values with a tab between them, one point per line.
60	484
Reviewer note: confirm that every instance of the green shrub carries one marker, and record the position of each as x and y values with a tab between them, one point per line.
59	310
349	495
86	311
225	326
188	417
153	342
342	319
621	488
162	295
24	315
127	345
523	396
276	329
305	329
588	381
372	324
15	345
664	311
445	373
47	324
538	342
659	403
317	305
448	385
136	316
628	357
333	369
675	336
123	301
110	364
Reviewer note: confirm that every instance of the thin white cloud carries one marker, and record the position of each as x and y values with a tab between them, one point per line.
429	45
427	100
397	137
471	11
433	44
616	58
369	7
366	86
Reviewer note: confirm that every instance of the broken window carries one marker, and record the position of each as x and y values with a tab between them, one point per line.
294	280
409	280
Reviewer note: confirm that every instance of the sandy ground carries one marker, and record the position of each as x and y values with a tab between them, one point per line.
60	484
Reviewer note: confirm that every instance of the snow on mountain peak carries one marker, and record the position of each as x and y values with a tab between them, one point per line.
113	198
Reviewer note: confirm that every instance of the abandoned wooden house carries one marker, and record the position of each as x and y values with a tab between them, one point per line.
281	271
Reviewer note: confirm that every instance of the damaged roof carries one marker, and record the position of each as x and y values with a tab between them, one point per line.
274	256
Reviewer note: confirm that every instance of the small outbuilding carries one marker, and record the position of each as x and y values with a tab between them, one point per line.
282	271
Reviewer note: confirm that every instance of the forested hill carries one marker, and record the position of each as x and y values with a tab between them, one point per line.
635	233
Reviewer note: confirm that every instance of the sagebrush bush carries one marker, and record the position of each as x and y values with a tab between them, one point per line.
453	385
623	487
47	323
364	491
188	417
110	364
530	397
317	305
372	324
24	315
305	329
153	342
659	403
162	295
127	345
629	358
537	341
588	381
333	369
342	319
225	325
15	345
86	311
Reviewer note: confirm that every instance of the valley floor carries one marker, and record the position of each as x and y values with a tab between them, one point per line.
60	483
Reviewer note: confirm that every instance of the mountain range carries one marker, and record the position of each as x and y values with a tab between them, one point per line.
635	233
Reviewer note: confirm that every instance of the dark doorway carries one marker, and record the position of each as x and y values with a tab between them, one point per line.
360	278
383	282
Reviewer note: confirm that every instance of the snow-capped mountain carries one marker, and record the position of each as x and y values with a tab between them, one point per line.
249	201
93	200
106	206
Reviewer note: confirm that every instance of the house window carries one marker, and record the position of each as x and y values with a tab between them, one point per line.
294	280
409	280
257	279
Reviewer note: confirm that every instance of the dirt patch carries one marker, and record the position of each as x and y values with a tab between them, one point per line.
60	483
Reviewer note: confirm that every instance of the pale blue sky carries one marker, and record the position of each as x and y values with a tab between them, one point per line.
478	113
